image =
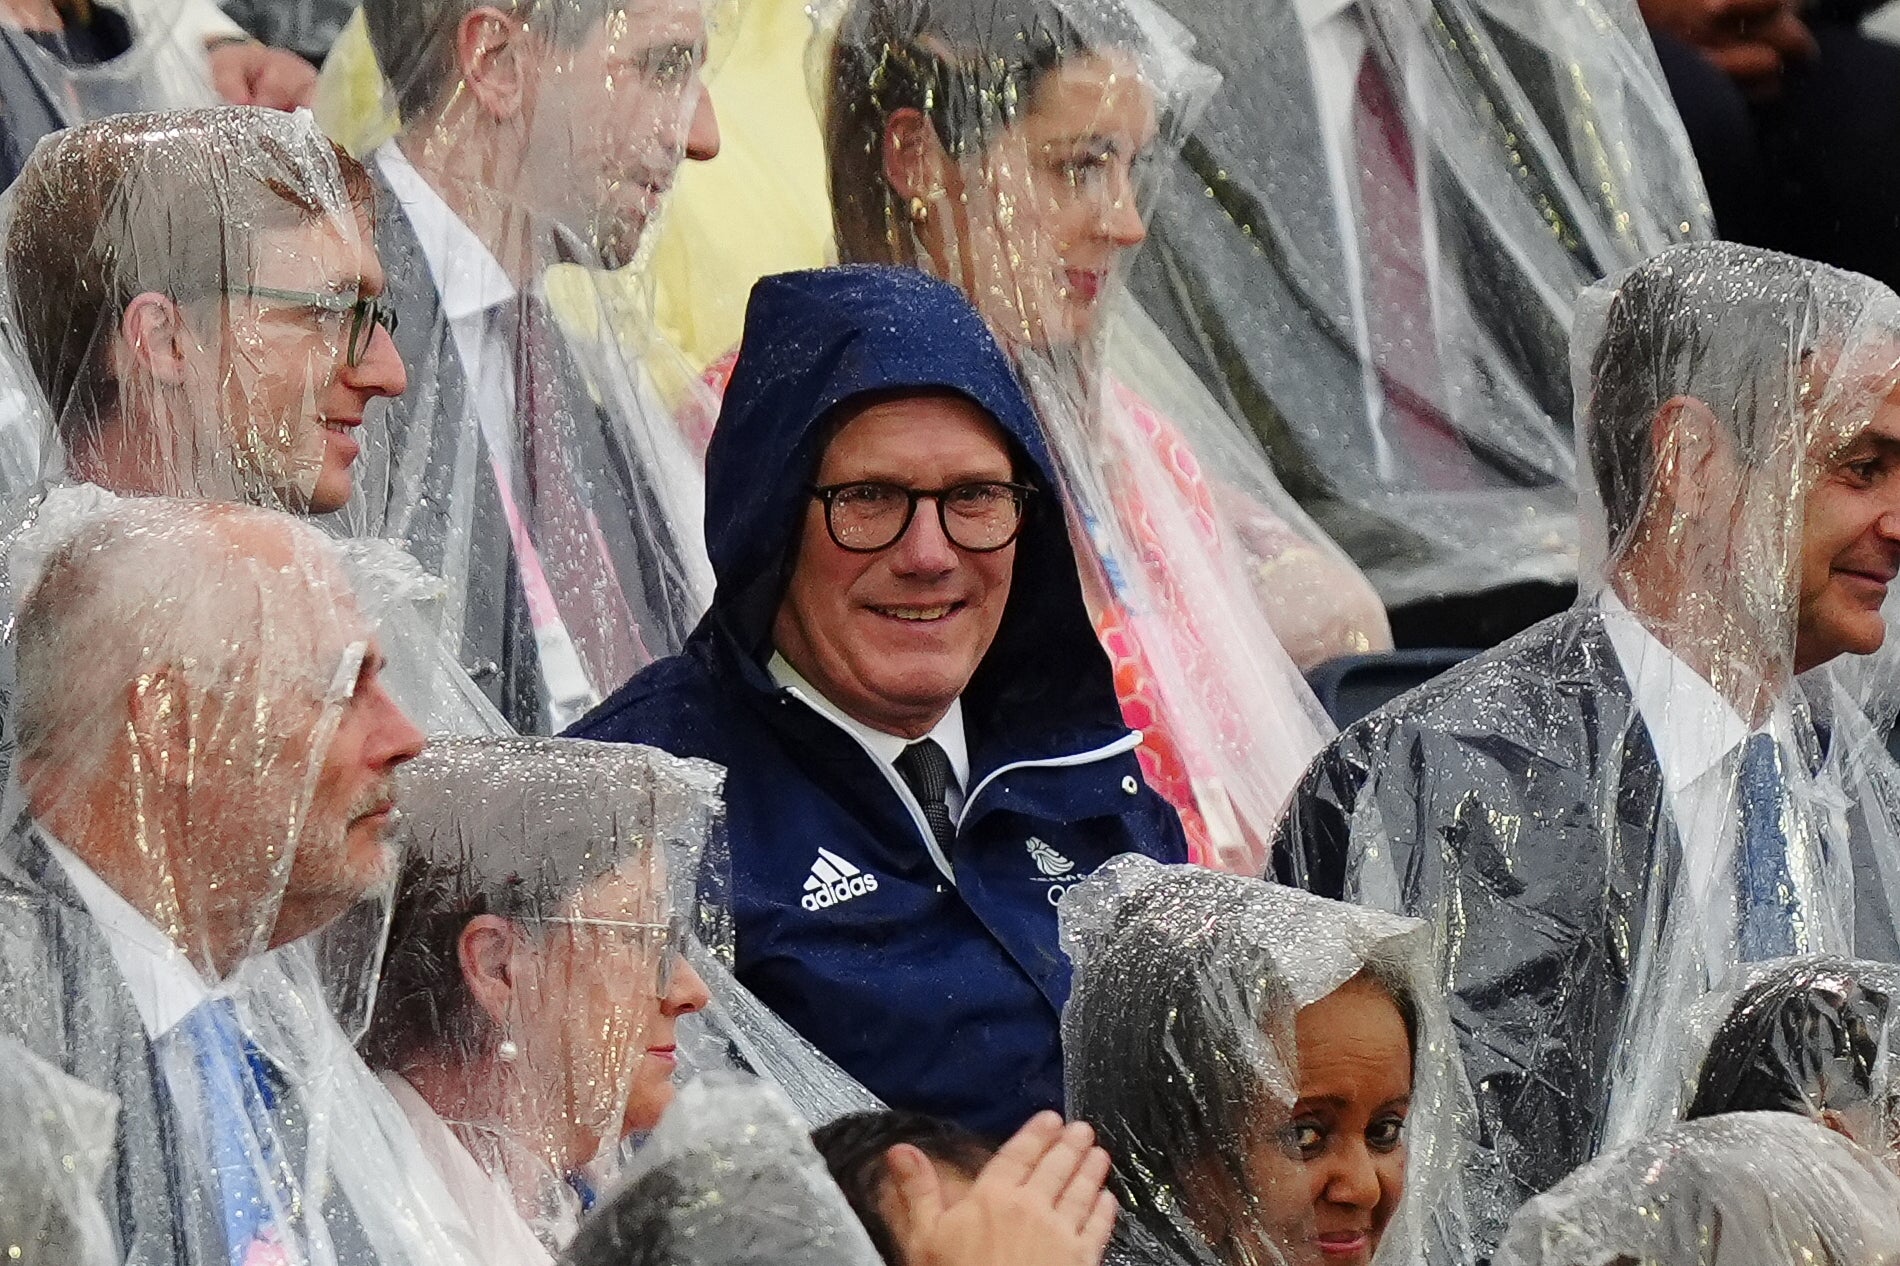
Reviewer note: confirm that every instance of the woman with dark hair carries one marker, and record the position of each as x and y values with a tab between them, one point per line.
1272	1072
857	1150
1001	145
1812	1036
534	974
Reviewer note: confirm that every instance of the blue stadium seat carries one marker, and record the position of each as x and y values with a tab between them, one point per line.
1352	686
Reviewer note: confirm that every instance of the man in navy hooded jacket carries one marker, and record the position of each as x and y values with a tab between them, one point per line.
920	730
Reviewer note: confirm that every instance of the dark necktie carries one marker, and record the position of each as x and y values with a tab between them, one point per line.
573	555
1398	290
1764	886
926	771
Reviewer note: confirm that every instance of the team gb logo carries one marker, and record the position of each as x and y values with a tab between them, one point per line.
1048	861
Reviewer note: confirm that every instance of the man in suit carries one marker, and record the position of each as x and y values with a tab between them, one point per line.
1373	239
1607	813
533	468
206	754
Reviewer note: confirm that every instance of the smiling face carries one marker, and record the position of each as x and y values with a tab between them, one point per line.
612	118
1329	1183
1039	220
292	403
1850	544
892	638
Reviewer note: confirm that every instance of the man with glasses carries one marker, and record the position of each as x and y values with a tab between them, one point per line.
535	468
198	296
899	674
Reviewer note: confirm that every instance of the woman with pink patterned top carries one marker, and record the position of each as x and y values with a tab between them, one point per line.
999	144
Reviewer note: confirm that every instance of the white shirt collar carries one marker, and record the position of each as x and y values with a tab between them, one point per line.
165	986
468	278
948	733
1692	725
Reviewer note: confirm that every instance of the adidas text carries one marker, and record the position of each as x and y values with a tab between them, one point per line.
833	881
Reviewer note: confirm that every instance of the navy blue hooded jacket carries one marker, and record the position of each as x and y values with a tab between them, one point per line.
938	983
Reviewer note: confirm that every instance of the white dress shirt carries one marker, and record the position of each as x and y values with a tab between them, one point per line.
886	748
1697	735
472	288
470	284
164	984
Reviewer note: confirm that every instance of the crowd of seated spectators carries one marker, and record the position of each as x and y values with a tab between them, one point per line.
482	785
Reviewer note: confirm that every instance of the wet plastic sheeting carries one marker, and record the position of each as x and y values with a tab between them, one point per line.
245	239
1181	1044
204	752
730	1178
1813	1036
578	865
184	291
50	1214
98	61
535	465
1011	147
1748	1189
1370	248
1616	812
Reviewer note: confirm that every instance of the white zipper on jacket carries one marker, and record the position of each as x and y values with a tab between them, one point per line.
898	785
1126	742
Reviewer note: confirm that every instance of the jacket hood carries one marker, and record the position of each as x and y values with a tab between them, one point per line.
817	340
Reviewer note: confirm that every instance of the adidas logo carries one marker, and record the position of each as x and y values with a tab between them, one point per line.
834	881
1048	861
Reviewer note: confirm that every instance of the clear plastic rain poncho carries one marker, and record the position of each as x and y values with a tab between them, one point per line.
1810	1035
196	295
51	1170
526	1019
1371	246
205	757
1605	817
1189	1045
193	299
533	464
1748	1189
1007	146
729	1179
64	62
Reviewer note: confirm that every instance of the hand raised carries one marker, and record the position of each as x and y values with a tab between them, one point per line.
1039	1202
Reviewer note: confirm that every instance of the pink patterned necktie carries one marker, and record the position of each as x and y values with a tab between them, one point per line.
573	553
1398	289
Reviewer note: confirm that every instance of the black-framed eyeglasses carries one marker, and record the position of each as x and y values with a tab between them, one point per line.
981	516
366	312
